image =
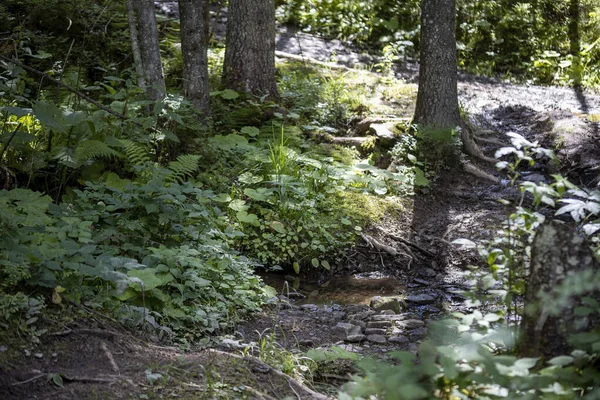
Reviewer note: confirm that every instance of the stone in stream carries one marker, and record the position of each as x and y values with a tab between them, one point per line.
417	334
398	339
309	307
375	331
355	338
427	272
410	324
387	312
361	315
387	317
377	339
379	324
343	330
421	298
379	303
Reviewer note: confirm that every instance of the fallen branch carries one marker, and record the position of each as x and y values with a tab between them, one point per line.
110	357
35	378
304	391
314	61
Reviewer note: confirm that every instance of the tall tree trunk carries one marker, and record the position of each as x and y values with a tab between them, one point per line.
149	49
437	98
194	19
250	47
135	45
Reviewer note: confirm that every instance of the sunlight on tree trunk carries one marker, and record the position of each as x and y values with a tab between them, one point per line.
250	47
437	98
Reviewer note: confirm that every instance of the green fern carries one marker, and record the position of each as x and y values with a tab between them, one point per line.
185	166
91	149
137	153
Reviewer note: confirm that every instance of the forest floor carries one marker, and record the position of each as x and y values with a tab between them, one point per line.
96	359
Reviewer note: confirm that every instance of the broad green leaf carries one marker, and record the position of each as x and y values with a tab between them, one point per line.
325	265
150	278
296	267
250	131
315	262
561	361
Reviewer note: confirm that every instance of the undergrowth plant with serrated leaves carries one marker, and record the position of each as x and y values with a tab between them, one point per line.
471	354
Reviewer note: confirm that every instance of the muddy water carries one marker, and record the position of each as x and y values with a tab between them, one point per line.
356	289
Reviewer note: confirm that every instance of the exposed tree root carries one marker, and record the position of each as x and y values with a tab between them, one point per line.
478	172
111	359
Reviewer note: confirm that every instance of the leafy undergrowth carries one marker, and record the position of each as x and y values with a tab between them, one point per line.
159	221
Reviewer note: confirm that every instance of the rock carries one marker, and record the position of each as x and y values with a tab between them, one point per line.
387	317
422	281
382	131
379	303
387	312
355	338
427	272
399	339
343	330
420	299
535	178
306	342
338	315
375	331
350	347
38	355
362	324
309	307
361	315
410	324
377	339
379	324
27	353
417	334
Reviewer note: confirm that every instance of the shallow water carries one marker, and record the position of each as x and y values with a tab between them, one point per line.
356	289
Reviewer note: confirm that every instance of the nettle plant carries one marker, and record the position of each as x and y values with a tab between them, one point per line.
470	355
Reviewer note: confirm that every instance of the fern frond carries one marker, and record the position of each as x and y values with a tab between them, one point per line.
90	149
185	166
137	153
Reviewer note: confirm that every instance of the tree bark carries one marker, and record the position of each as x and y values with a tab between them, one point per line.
556	252
437	98
194	18
150	49
249	63
135	46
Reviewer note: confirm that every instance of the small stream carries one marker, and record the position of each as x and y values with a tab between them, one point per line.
355	289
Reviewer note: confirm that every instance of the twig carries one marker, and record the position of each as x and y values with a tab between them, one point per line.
89	379
110	357
35	378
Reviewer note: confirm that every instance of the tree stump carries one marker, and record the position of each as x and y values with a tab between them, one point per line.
557	251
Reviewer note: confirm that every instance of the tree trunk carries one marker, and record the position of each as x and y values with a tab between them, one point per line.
437	98
149	49
249	64
135	46
194	18
557	251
